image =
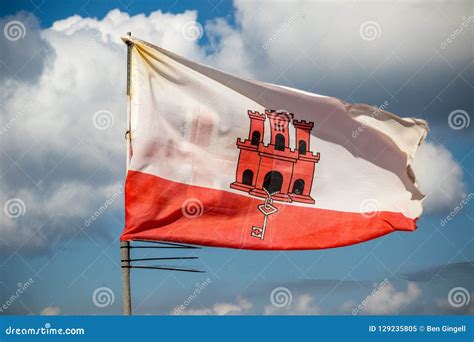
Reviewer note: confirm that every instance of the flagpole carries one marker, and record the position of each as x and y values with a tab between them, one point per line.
125	245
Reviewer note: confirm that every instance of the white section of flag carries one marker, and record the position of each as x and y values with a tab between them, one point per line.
187	117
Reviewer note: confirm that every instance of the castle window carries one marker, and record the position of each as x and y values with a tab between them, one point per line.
279	142
298	187
302	147
255	138
247	177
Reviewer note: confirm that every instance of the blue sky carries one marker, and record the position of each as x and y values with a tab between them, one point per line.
50	11
64	170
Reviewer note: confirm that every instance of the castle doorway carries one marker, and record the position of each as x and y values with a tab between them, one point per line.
273	181
298	186
247	177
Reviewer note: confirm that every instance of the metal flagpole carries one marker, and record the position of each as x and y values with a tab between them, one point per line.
126	293
125	245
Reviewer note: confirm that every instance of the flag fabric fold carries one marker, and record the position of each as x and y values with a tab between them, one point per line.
224	161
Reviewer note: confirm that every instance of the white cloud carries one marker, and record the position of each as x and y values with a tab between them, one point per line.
318	35
300	305
240	307
388	301
25	57
51	311
439	176
54	158
46	215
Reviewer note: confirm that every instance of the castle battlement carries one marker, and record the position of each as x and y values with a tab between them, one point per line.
256	115
303	124
282	115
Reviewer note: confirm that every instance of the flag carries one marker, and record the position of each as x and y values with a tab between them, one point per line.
219	160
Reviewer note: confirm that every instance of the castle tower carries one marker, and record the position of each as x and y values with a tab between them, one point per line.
256	130
303	171
303	131
279	128
249	159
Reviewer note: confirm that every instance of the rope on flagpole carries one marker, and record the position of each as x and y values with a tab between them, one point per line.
160	247
167	268
169	244
152	259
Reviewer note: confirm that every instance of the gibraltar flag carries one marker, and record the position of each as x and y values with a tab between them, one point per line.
223	161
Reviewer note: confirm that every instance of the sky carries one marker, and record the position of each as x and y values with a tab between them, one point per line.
61	63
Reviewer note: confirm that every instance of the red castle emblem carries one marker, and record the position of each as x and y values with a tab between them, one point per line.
275	169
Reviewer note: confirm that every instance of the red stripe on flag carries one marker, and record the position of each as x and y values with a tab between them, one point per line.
159	209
